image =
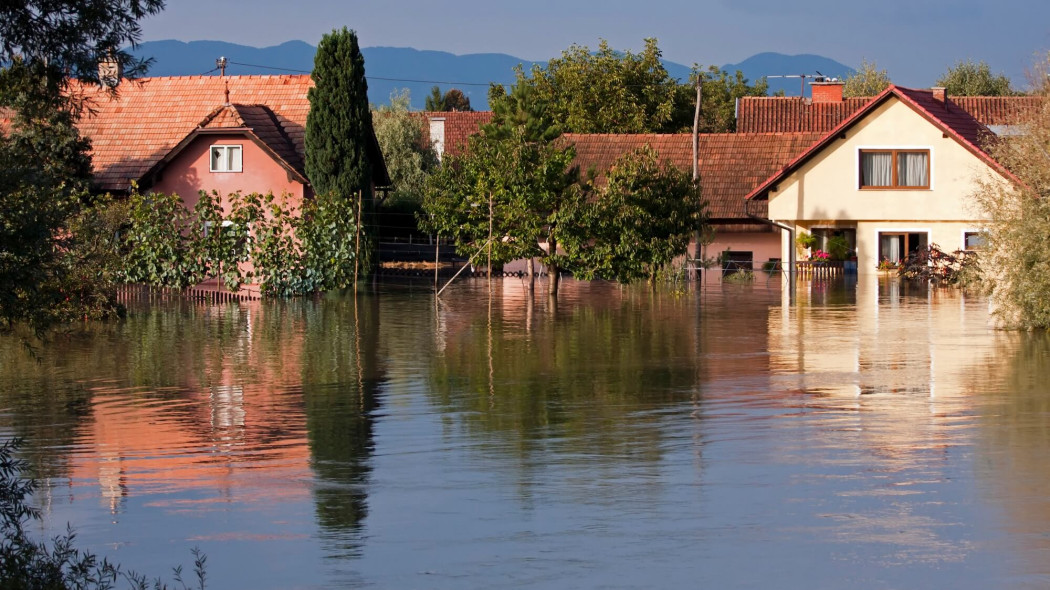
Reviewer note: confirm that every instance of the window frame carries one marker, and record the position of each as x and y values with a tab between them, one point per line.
982	235
226	148
894	182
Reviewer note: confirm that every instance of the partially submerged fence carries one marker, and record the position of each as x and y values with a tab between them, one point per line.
204	293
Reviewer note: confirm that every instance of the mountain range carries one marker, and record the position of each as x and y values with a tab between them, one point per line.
393	68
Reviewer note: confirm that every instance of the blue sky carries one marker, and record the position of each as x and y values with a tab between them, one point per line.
914	40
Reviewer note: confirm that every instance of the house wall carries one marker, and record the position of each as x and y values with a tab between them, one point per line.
825	191
190	172
762	245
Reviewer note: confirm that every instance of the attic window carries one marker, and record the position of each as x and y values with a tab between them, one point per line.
894	169
225	158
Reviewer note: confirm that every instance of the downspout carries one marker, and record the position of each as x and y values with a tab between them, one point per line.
791	270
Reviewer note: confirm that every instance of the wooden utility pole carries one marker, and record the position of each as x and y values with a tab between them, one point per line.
697	250
357	241
490	235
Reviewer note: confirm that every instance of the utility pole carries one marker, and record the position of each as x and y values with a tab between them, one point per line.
697	249
221	64
490	236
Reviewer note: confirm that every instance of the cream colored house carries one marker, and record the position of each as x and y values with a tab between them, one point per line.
894	177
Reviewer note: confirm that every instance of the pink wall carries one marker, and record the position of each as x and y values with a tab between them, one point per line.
762	245
190	172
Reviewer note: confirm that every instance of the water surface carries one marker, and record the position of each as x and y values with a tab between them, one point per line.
872	435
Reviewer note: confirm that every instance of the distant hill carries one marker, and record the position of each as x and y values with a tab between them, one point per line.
391	68
777	64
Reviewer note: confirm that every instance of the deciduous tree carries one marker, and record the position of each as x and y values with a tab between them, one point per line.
605	91
408	155
452	100
1016	258
868	80
44	163
970	78
515	190
638	222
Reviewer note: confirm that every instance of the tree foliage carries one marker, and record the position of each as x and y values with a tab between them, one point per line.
339	124
293	251
339	129
528	184
605	91
71	36
970	78
452	100
45	169
719	95
44	176
1015	261
638	222
868	80
408	155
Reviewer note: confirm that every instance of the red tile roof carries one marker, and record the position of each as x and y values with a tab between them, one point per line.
459	126
730	164
772	114
947	116
131	133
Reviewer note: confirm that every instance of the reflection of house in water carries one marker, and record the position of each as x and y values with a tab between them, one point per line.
891	342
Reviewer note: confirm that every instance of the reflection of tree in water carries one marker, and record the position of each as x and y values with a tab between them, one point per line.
1013	459
584	380
342	373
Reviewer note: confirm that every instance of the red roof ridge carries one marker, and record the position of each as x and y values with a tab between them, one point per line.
902	94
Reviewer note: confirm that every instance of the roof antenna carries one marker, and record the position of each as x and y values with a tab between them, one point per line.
221	64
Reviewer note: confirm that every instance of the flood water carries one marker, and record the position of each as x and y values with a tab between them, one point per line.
871	435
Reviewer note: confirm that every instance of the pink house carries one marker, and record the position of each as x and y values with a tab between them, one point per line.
192	133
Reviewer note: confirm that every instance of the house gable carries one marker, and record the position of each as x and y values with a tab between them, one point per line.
825	184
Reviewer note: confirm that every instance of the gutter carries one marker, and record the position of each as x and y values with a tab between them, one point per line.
792	270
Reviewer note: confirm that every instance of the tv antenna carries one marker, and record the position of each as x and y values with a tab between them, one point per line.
817	77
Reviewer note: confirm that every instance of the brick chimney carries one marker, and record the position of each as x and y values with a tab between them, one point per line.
939	94
827	91
110	71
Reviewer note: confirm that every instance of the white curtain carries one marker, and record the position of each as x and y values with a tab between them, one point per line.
913	169
876	169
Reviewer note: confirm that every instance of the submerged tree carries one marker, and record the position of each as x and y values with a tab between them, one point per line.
505	197
45	169
638	222
339	128
1016	258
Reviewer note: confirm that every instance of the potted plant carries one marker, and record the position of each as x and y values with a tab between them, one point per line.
819	257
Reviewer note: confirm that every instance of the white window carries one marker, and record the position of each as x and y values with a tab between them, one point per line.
894	169
973	240
225	158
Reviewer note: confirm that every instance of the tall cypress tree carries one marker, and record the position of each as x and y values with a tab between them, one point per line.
339	124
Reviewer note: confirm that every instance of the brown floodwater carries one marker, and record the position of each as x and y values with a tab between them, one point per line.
865	435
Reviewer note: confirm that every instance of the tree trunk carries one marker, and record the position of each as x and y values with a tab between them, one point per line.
552	268
530	270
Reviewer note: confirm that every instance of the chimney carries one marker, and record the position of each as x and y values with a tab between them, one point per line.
827	90
939	94
110	71
437	135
